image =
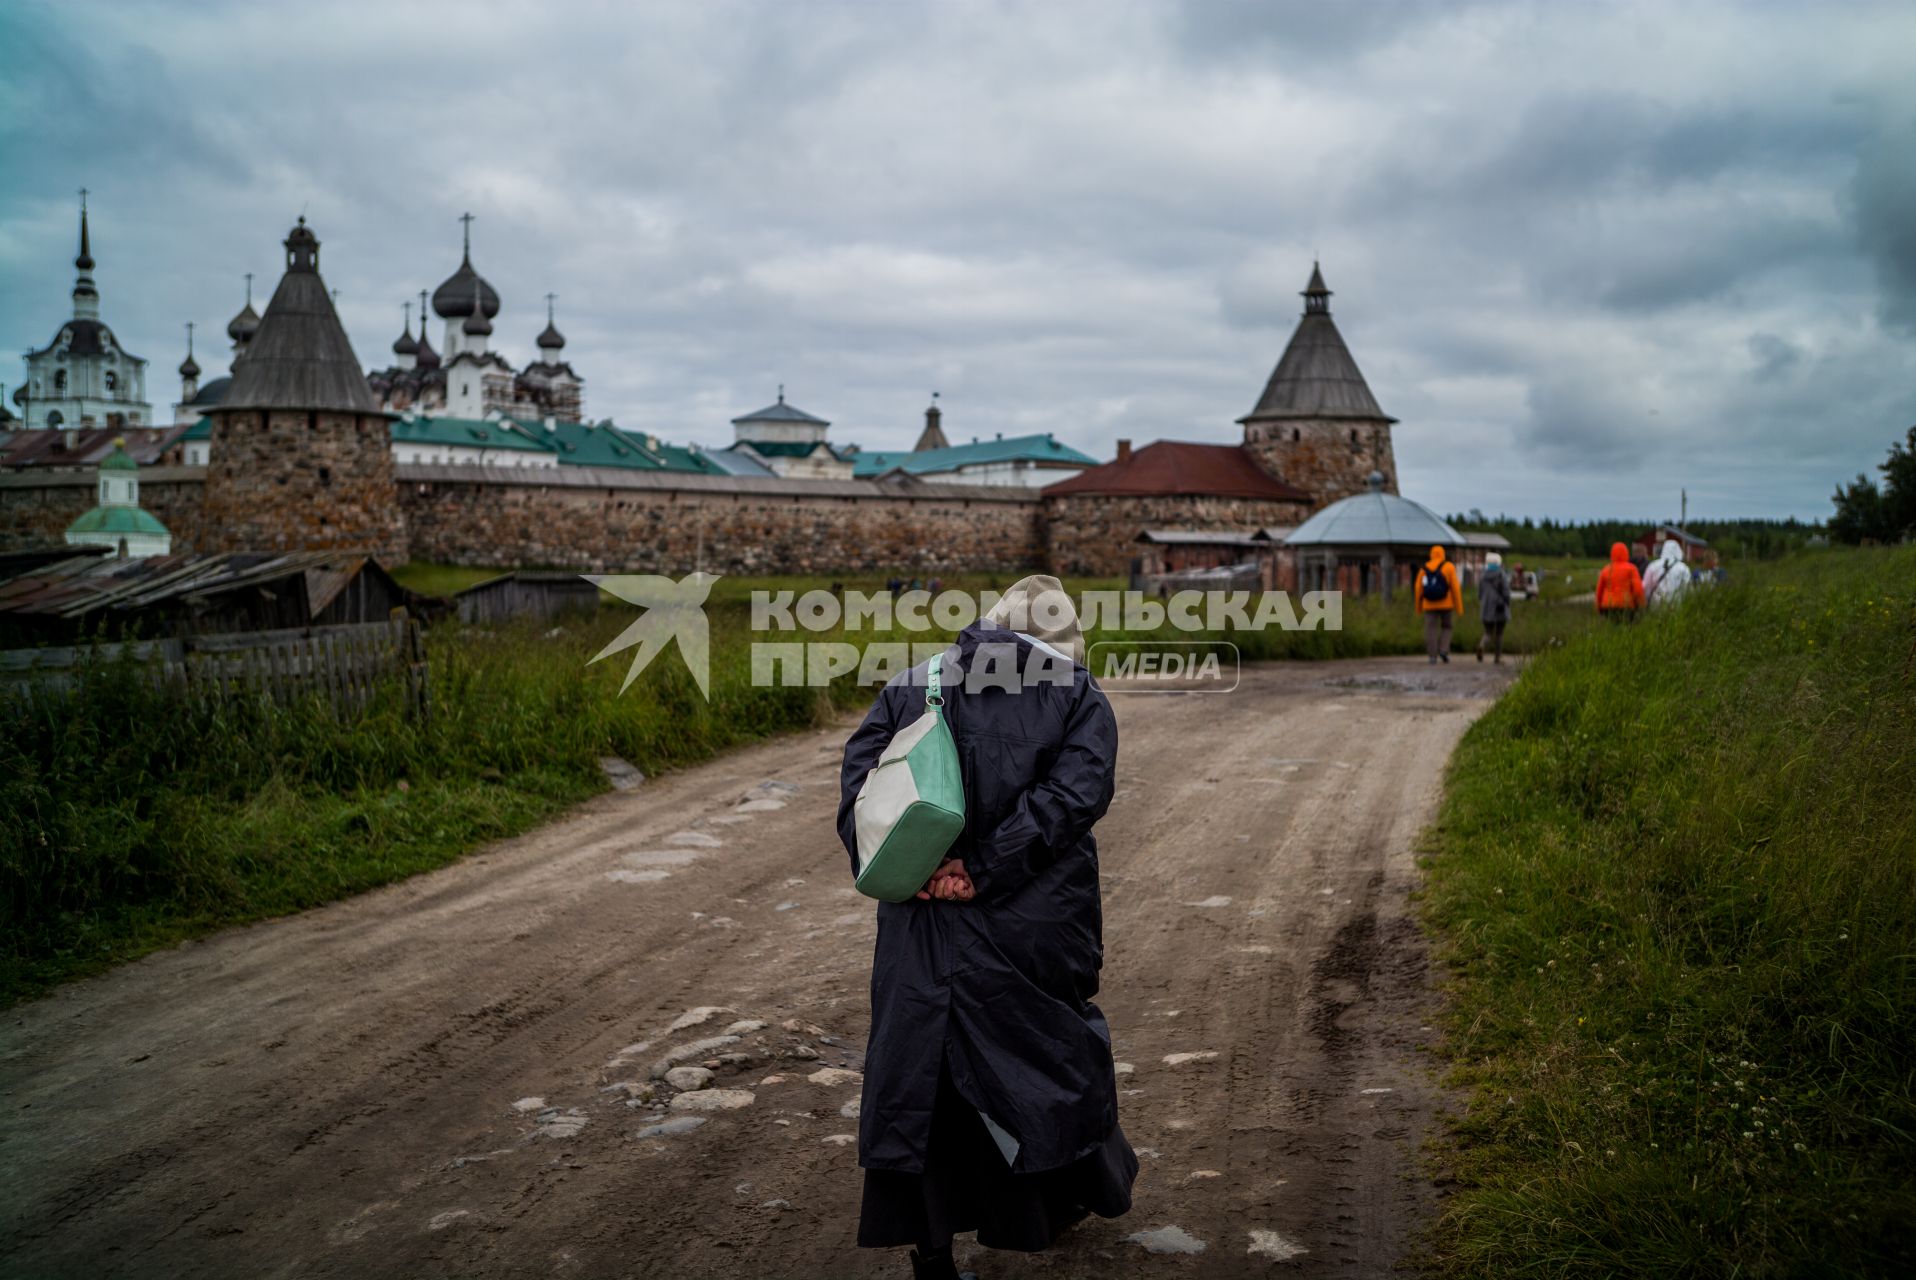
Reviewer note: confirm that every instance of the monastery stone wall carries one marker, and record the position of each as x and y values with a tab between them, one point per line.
1097	534
735	526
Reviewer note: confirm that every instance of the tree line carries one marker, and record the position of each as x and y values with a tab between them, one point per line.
1749	539
1868	513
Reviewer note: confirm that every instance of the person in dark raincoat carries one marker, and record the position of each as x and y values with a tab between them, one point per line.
990	1102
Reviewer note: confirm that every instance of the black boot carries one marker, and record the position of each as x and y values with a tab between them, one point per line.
937	1266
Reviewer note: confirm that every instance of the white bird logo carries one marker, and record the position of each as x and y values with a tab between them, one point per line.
672	610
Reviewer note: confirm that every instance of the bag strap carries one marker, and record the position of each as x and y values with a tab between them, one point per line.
934	696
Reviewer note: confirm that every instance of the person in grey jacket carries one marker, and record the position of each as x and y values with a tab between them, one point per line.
1493	597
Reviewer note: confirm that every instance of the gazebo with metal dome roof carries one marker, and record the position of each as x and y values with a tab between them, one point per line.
1369	542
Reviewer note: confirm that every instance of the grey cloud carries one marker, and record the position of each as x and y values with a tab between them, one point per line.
1246	30
1883	203
1091	218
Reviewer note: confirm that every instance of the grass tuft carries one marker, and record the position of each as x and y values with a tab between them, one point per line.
1674	883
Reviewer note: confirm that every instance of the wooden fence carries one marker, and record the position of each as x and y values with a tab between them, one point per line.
344	665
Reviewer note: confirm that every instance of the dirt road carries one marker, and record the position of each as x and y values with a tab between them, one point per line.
439	1078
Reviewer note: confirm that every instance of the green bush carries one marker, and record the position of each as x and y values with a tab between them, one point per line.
1674	882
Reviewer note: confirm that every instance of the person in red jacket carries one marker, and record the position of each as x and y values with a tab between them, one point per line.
1619	586
1440	601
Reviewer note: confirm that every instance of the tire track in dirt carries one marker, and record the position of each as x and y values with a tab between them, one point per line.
333	1094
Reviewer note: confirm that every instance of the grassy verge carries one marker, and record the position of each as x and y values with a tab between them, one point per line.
1674	882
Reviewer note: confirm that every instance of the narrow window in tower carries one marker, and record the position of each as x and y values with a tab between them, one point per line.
1297	433
59	382
112	381
325	475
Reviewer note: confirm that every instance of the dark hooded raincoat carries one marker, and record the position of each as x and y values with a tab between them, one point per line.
997	990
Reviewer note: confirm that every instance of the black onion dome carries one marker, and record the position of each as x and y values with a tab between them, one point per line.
405	344
189	367
244	325
477	324
424	356
453	300
550	339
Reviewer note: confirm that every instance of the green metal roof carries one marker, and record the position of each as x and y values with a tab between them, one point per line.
118	459
1035	448
471	433
201	430
595	444
117	521
676	457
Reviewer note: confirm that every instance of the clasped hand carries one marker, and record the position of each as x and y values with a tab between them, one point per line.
949	883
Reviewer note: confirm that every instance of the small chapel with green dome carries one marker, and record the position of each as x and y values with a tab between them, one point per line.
118	522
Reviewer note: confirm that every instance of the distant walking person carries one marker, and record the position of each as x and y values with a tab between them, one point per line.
990	1102
1440	601
1493	598
1619	587
1668	577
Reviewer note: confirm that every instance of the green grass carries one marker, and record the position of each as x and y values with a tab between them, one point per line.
442	579
1674	885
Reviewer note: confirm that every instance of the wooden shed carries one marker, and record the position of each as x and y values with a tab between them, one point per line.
535	594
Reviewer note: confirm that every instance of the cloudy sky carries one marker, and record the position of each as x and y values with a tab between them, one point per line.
1590	254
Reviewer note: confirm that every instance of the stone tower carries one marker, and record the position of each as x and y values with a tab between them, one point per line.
301	456
1317	426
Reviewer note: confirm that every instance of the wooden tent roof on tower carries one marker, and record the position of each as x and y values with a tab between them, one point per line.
1316	377
300	357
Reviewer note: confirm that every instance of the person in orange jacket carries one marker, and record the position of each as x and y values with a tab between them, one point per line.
1619	586
1440	601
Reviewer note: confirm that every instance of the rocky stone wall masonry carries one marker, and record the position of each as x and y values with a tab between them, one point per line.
668	531
1096	534
295	480
1326	458
487	523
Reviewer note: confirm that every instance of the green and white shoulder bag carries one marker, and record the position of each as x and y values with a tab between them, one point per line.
912	805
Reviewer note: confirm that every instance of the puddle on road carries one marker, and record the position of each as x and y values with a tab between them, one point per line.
1167	1239
1269	1244
637	877
660	858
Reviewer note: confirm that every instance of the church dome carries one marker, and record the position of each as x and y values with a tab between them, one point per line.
1375	518
211	392
550	339
189	367
243	326
476	323
405	344
454	299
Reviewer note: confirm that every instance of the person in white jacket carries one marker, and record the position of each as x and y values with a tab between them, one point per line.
1667	577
